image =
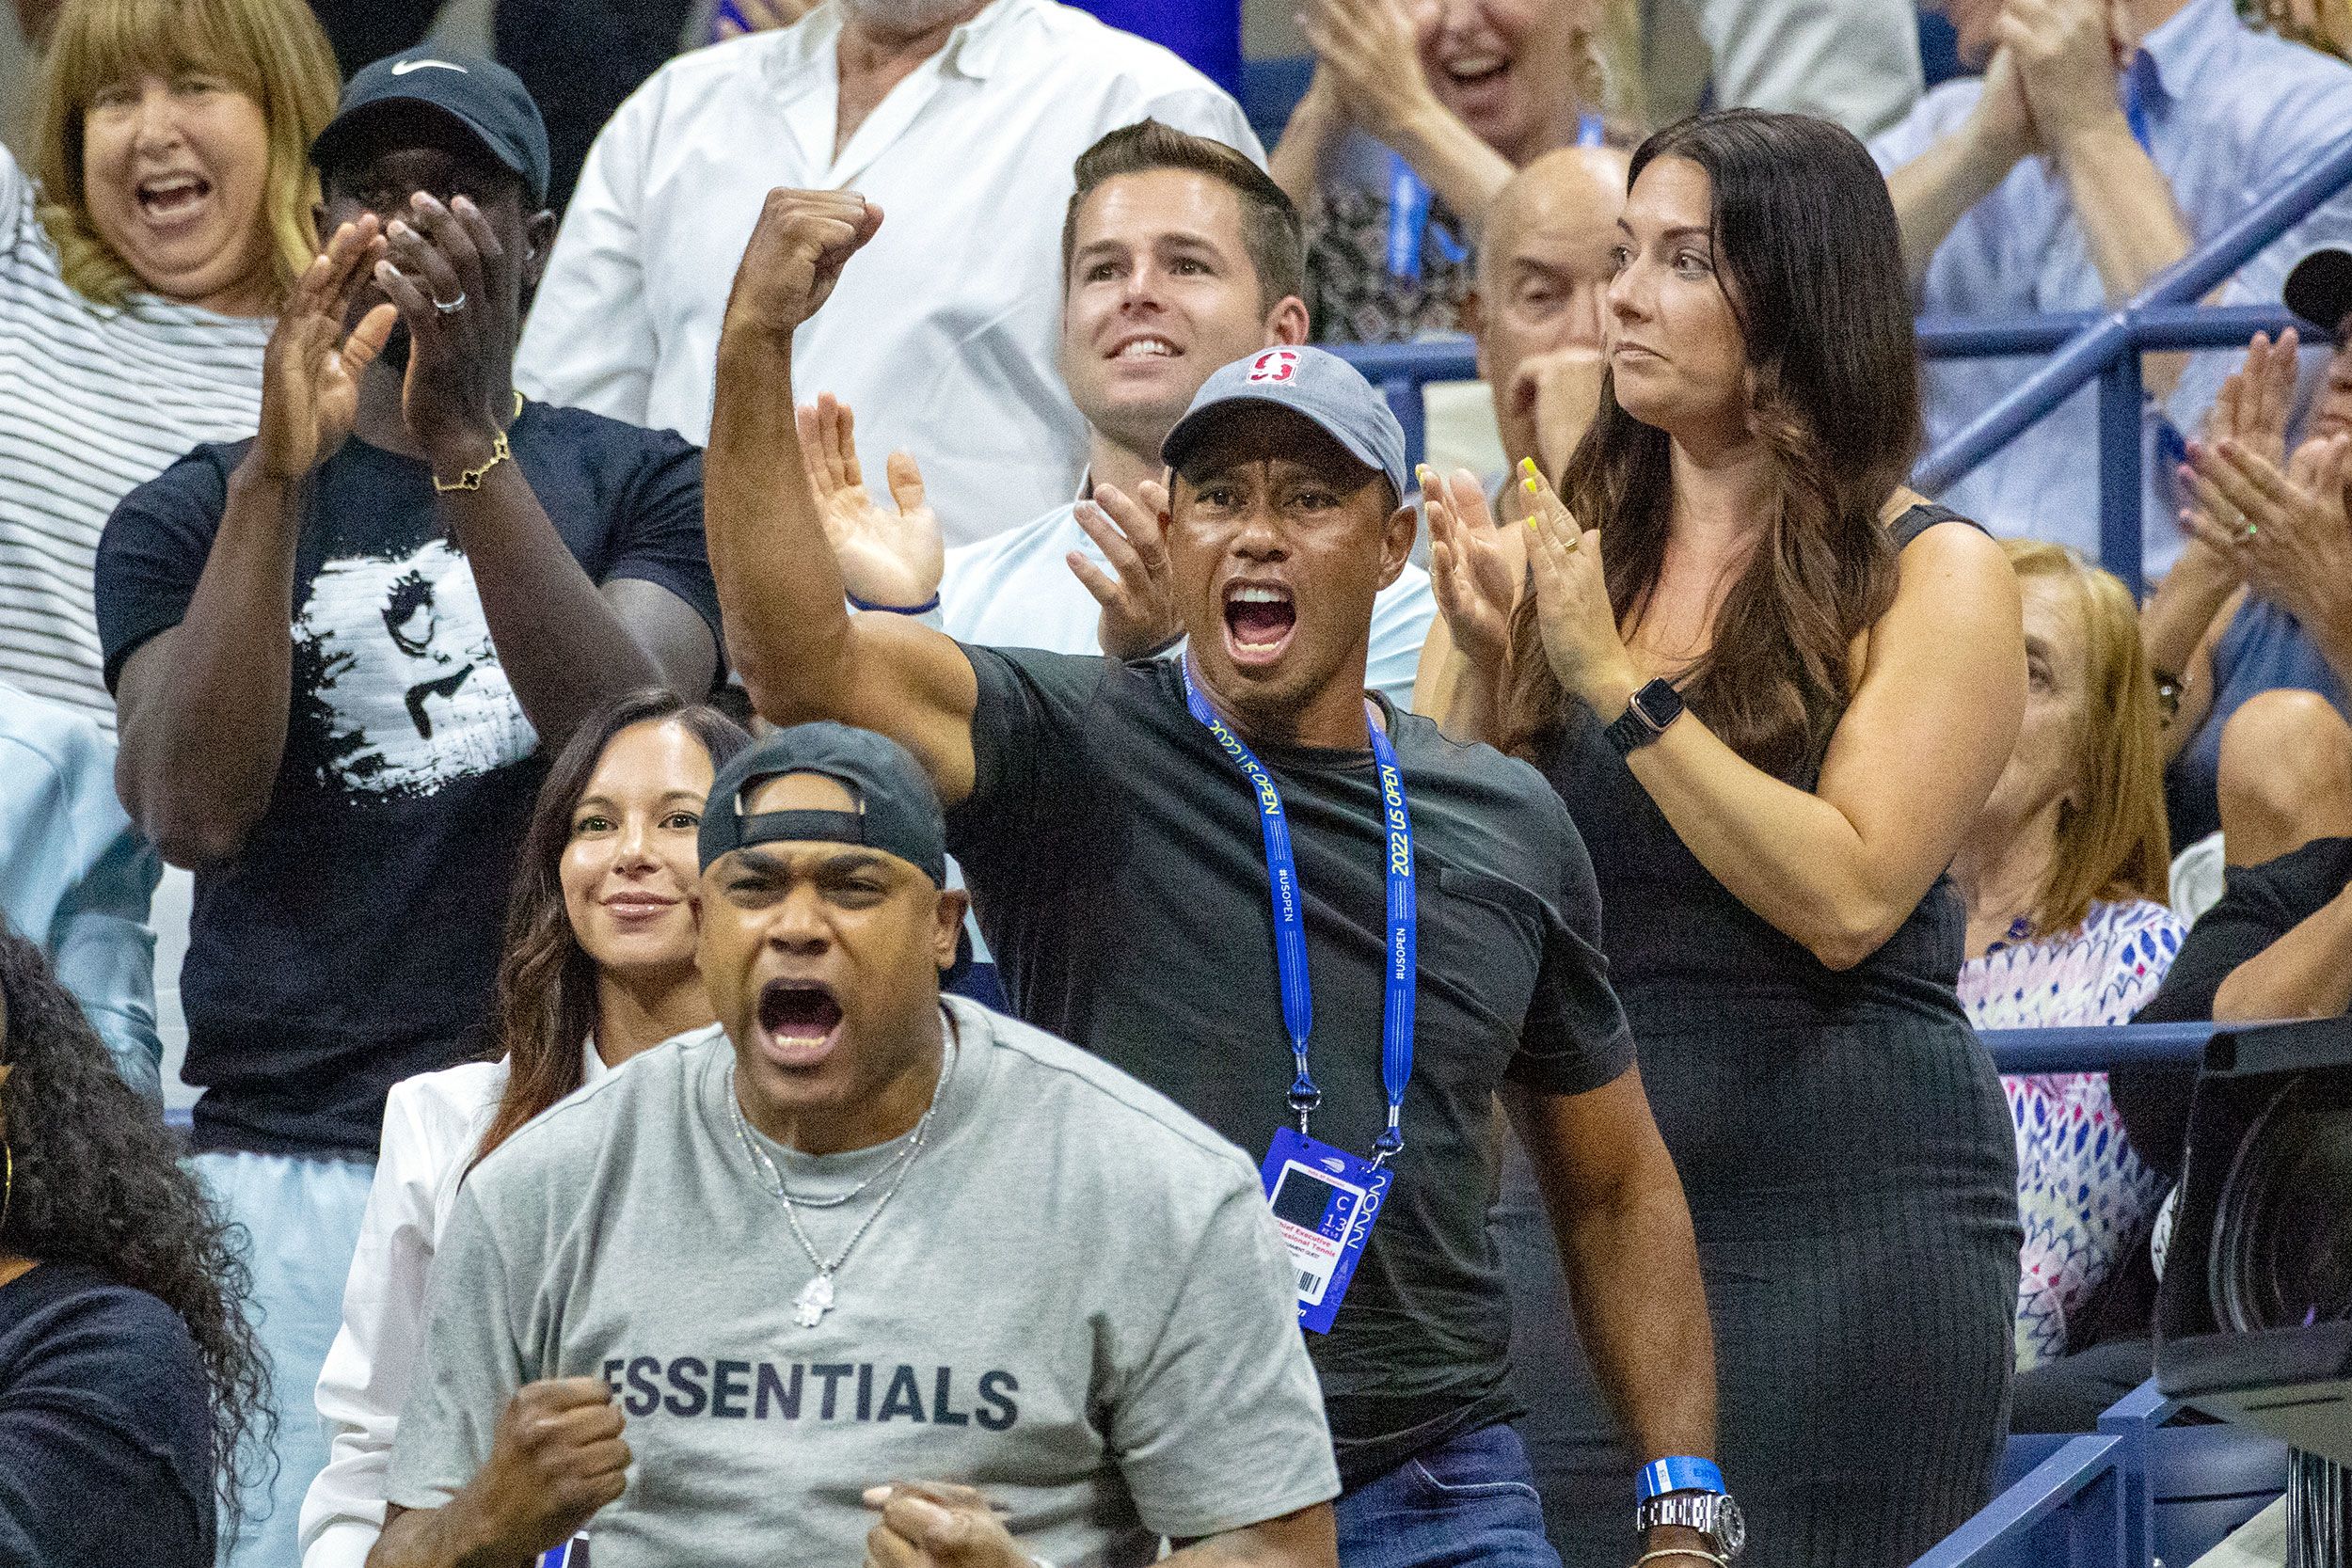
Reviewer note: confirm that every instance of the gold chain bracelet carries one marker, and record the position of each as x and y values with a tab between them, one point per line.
499	452
471	478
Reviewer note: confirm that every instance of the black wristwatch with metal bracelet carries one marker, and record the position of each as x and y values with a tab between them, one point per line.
1688	1492
1647	715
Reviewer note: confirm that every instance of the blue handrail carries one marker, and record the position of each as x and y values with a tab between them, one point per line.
2105	1478
2109	352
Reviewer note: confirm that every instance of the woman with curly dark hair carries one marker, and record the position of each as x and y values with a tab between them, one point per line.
1775	688
598	968
132	1394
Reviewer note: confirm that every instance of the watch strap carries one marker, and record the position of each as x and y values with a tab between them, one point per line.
1647	714
1678	1473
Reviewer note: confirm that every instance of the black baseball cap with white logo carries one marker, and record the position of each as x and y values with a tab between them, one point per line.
487	100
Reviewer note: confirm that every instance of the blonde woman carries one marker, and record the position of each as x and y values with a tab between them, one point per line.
141	258
1417	113
2064	877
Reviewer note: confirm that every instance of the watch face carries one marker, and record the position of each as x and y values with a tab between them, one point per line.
1731	1526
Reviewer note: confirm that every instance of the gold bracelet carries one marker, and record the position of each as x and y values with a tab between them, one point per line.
471	478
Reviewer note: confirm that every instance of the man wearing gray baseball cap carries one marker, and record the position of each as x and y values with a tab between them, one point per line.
861	1269
1308	917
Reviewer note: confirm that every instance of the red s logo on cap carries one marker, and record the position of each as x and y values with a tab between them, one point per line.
1274	364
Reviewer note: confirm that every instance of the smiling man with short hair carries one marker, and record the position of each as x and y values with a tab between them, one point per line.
860	1267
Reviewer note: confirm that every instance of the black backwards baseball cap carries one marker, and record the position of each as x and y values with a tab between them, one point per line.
485	97
2319	289
1314	383
896	810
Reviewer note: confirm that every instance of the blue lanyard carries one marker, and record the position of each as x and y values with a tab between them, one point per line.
1409	209
1290	921
2134	100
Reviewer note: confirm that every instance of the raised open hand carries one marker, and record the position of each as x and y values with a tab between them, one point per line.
310	370
1369	50
1475	568
2255	401
2064	52
458	293
1572	606
889	557
1139	616
2293	543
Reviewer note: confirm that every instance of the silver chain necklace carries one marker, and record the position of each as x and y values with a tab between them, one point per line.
816	1298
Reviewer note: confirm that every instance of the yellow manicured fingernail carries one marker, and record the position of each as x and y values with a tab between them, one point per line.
1533	488
1527	466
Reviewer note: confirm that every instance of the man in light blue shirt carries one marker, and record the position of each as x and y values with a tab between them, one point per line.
2064	181
1180	254
75	876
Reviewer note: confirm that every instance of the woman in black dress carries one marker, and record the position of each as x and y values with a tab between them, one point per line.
1832	673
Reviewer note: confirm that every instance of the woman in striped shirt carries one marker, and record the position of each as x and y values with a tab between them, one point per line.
137	275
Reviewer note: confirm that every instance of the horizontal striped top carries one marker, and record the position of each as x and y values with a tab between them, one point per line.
93	402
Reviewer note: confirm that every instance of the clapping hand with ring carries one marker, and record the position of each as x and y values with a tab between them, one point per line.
2293	542
457	291
1572	607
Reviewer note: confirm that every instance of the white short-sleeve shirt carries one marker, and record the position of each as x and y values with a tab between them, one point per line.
944	331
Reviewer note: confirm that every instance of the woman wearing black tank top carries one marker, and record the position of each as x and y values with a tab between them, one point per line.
1828	684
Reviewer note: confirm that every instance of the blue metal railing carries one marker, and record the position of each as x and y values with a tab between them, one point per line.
2098	1487
2109	351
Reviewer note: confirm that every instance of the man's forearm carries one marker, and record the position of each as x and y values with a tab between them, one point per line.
2305	974
438	1537
200	753
2133	229
1632	1264
563	648
1935	190
780	591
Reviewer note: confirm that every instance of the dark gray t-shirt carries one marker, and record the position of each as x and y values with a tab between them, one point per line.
1115	859
1077	1301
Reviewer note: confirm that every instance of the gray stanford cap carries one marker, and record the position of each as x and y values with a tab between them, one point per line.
1314	383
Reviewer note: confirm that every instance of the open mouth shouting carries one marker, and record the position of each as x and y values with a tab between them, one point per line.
800	1022
173	200
1259	619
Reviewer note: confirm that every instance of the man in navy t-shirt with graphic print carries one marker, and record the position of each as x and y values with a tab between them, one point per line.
340	651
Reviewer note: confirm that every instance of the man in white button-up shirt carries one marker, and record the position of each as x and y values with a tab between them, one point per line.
960	119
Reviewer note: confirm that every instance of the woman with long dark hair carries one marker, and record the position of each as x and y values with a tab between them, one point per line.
134	1403
1775	688
598	968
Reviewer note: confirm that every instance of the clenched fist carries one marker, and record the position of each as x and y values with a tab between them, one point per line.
556	1458
795	254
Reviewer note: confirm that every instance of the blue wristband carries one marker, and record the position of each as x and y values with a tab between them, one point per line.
1678	1473
924	609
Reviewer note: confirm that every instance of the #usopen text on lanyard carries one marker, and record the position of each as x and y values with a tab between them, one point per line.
1324	1199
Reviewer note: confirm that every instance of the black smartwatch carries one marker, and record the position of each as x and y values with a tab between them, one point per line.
1647	715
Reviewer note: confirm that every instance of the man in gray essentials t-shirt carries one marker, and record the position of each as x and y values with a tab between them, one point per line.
1040	1280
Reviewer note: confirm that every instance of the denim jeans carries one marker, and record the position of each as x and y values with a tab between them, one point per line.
1471	1499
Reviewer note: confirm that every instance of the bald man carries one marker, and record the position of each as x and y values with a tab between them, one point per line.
1539	309
1537	314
